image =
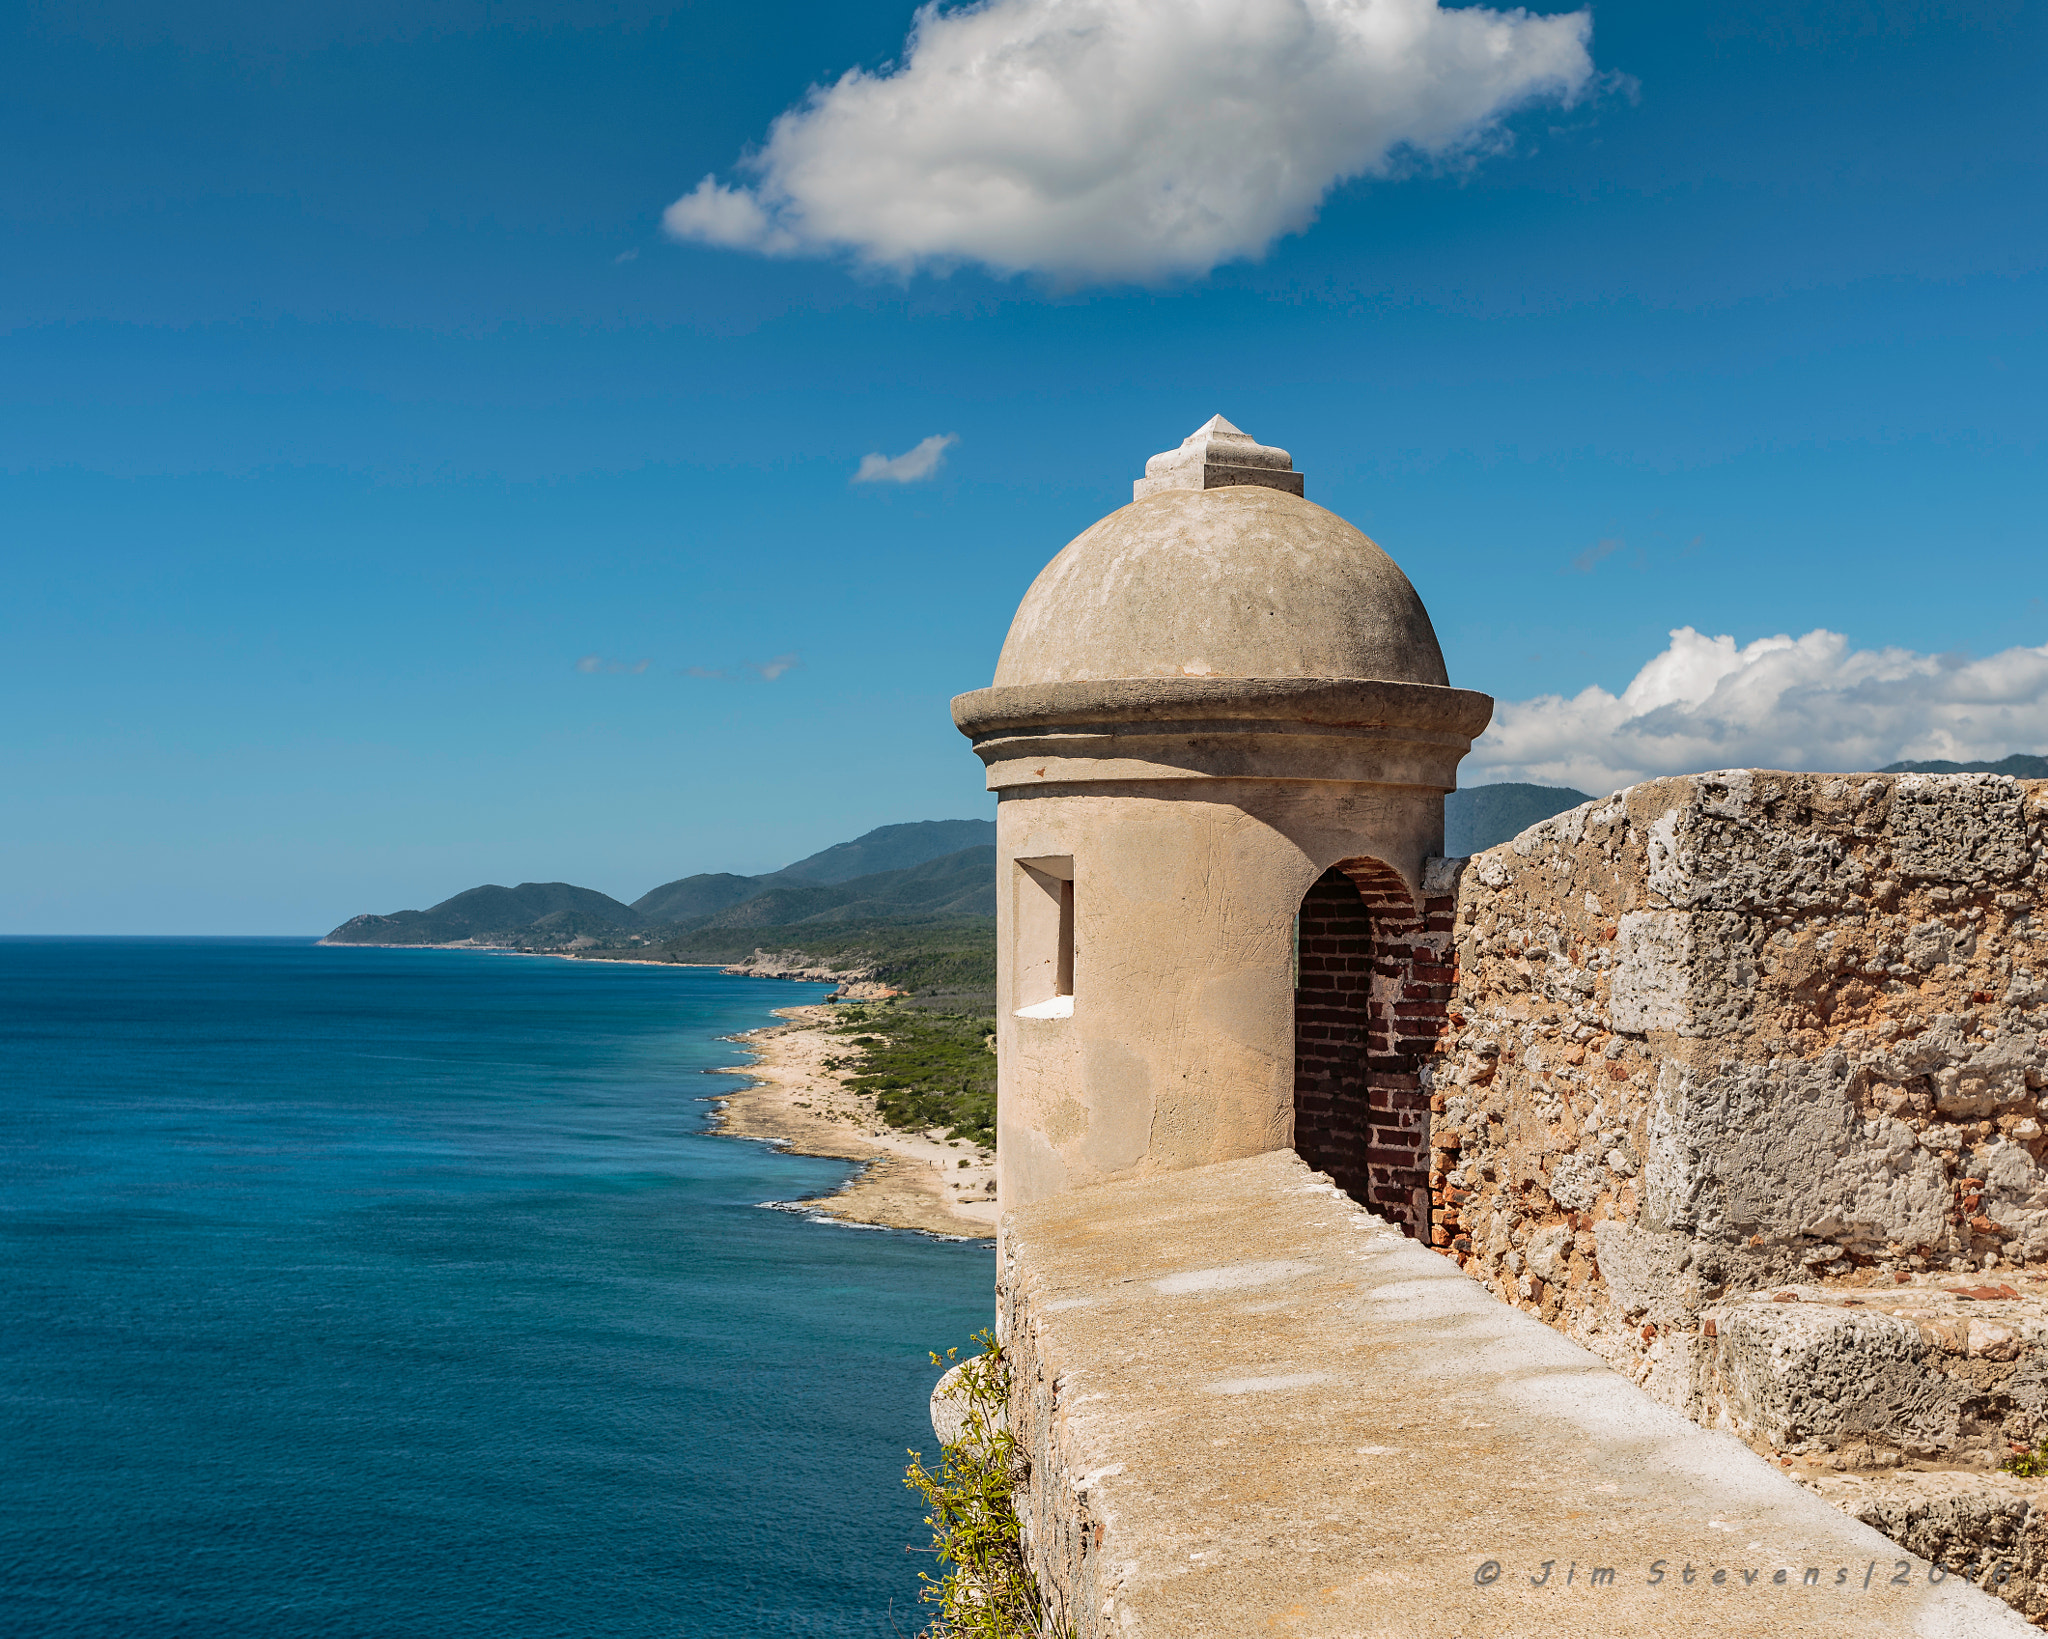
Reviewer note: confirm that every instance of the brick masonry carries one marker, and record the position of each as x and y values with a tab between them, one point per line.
1373	987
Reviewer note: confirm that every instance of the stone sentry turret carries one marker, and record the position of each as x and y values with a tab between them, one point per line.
1221	714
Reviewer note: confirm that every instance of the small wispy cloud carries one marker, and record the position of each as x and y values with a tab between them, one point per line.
1603	548
592	663
908	467
763	671
626	256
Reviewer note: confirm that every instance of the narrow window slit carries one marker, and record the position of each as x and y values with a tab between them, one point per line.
1042	929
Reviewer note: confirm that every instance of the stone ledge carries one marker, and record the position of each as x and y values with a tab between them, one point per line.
1342	702
1251	1408
1991	1526
1953	1371
1349	730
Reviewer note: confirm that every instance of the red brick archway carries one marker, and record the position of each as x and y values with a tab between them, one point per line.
1370	991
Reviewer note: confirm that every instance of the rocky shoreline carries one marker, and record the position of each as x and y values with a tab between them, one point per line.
922	1181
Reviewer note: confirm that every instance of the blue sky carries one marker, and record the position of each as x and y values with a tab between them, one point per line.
362	431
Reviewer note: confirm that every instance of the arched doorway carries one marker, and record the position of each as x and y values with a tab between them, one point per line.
1332	1026
1369	998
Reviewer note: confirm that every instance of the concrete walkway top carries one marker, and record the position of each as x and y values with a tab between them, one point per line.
1253	1409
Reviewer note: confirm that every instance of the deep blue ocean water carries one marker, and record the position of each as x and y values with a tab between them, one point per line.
400	1293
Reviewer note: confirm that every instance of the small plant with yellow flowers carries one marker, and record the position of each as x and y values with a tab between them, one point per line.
985	1590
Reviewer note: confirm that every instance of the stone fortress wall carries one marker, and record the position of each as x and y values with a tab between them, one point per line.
1742	1087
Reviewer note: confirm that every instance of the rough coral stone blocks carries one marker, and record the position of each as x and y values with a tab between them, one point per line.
1755	1032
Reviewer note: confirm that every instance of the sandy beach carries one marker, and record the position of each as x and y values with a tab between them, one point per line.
911	1181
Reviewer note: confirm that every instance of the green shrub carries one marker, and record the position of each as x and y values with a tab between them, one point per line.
925	1069
984	1591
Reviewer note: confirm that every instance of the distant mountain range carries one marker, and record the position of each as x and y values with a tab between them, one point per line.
1483	816
927	871
891	849
2018	766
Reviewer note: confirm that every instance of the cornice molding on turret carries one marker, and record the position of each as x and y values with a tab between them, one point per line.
1350	730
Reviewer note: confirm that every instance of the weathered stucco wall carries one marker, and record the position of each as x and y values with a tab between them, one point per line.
1177	1048
1731	1031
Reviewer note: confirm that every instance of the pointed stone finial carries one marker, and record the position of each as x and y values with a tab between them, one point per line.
1216	454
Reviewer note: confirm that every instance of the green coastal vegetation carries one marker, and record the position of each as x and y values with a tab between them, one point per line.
926	1068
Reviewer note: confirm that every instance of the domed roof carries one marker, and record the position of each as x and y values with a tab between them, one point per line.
1216	571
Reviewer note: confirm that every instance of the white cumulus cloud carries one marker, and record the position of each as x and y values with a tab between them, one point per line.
1127	139
1808	703
908	467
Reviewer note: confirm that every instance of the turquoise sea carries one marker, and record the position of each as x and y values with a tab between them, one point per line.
401	1294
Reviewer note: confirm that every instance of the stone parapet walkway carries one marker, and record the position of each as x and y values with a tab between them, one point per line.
1252	1408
